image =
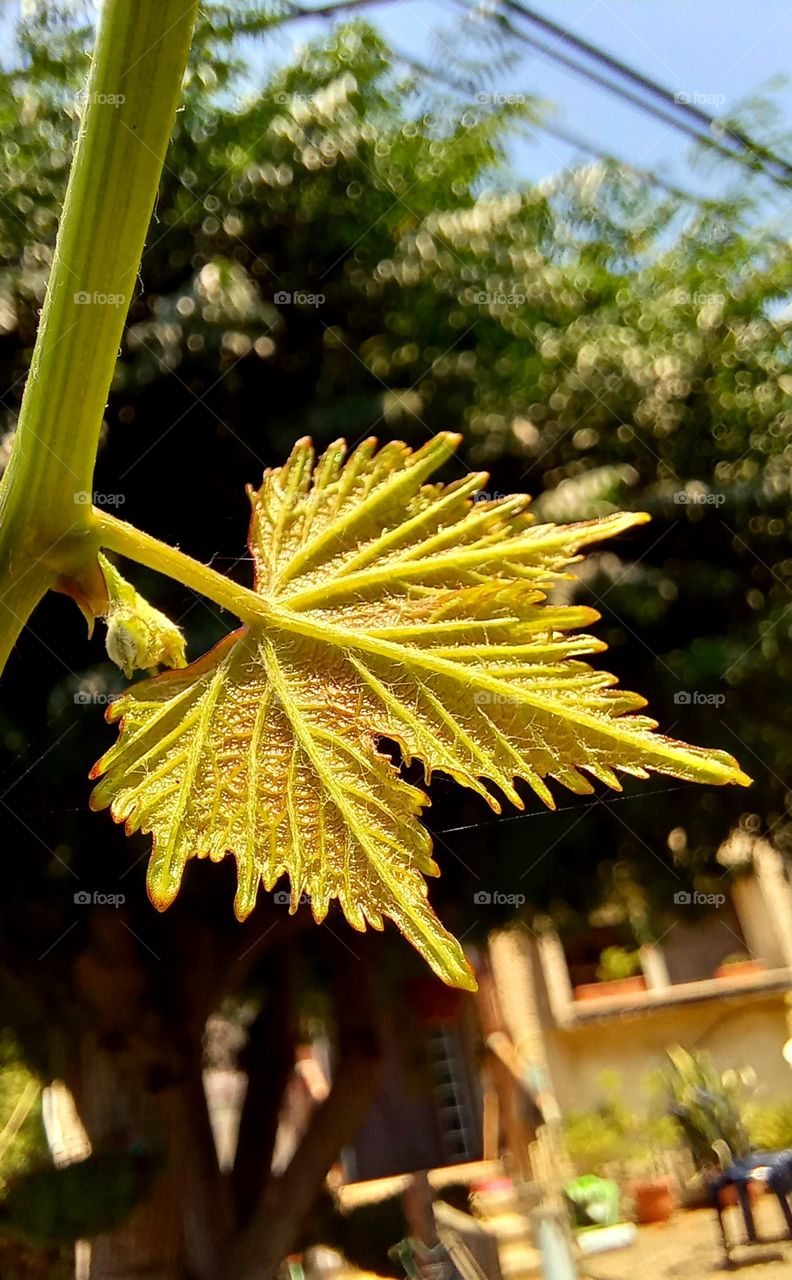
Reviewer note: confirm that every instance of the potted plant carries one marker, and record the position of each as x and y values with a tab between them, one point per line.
618	974
739	965
635	1148
710	1110
651	1164
654	1197
654	1186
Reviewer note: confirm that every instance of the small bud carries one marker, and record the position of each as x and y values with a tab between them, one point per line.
138	635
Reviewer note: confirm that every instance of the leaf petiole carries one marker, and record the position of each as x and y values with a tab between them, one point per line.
126	540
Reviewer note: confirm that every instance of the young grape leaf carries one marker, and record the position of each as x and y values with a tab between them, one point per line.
398	610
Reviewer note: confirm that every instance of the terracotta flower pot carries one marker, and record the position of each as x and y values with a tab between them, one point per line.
740	969
618	987
655	1199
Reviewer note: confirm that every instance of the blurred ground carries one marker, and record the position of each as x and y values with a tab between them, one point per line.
686	1248
689	1248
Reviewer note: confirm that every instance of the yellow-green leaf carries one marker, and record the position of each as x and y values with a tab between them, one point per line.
395	609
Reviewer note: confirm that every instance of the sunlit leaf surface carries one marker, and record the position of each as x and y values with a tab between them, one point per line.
397	609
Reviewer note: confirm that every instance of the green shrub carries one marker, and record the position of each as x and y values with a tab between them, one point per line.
617	963
593	1141
770	1125
22	1137
616	1137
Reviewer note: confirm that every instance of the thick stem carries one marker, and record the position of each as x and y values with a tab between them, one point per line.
206	1205
131	98
132	93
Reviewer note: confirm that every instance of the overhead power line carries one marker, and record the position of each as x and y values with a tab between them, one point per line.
752	161
689	115
595	77
717	132
554	131
690	109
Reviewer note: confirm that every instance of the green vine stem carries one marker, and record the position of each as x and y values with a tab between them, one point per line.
46	517
126	540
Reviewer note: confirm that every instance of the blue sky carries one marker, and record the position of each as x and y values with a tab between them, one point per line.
724	50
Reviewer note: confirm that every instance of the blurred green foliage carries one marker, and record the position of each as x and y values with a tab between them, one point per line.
710	1107
618	1139
617	963
770	1125
23	1149
51	1207
22	1139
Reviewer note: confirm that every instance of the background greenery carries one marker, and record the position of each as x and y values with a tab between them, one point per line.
598	341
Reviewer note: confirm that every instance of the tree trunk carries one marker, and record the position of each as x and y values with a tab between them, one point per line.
207	1209
275	1227
149	1243
268	1060
138	1090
